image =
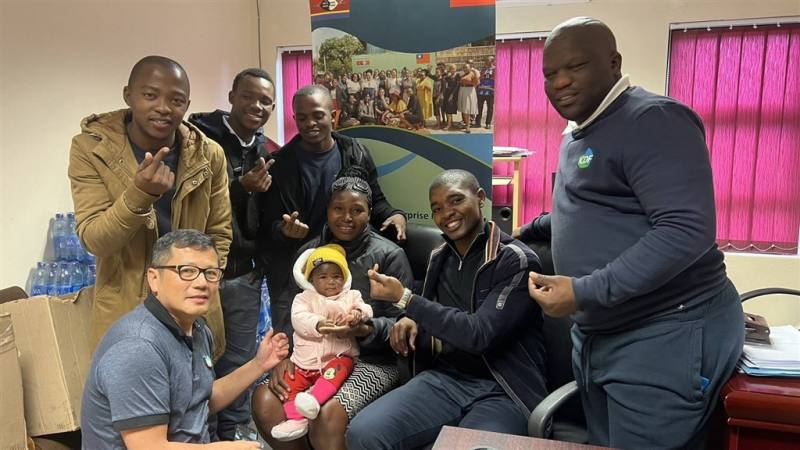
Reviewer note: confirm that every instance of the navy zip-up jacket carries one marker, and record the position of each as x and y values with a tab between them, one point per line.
504	325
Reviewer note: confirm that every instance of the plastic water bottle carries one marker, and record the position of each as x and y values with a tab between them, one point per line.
90	275
88	258
76	276
52	278
39	282
59	235
71	248
264	313
74	247
64	283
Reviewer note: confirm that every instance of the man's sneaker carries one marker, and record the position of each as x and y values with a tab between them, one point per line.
307	405
290	430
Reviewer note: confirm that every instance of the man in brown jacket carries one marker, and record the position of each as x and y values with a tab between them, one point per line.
137	174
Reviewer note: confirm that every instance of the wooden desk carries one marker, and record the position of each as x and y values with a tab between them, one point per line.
514	180
762	412
453	438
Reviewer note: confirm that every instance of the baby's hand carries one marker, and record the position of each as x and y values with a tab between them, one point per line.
354	317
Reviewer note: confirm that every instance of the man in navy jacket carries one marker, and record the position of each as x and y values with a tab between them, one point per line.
473	325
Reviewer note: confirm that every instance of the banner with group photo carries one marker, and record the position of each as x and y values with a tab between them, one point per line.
414	81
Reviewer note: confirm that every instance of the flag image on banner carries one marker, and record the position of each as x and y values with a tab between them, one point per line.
423	58
329	9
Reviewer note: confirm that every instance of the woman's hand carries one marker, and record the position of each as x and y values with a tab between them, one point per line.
276	383
345	331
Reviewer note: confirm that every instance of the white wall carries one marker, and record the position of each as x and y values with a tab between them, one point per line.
289	25
63	60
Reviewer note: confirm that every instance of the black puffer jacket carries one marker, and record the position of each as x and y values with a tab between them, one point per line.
362	254
275	251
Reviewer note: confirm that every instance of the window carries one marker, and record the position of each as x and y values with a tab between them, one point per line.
744	81
524	118
294	71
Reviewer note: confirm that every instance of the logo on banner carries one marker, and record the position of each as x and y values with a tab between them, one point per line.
468	3
362	62
423	58
329	9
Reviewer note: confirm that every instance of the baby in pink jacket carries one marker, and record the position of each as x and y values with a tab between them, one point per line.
322	361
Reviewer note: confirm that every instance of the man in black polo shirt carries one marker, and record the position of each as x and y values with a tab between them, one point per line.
239	133
152	380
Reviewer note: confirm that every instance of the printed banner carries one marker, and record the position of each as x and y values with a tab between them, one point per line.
414	81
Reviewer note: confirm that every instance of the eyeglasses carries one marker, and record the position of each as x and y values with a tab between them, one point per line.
190	273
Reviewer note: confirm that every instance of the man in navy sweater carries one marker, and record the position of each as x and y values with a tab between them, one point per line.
658	324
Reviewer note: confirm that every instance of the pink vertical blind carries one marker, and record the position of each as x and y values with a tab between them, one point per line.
745	84
296	72
524	118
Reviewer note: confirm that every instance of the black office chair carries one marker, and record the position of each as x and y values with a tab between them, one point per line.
420	241
767	291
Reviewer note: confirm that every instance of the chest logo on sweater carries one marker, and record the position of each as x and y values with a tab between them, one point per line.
586	159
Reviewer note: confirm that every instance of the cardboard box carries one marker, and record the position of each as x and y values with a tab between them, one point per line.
53	339
12	423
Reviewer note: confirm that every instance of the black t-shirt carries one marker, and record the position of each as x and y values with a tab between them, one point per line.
163	205
454	289
318	171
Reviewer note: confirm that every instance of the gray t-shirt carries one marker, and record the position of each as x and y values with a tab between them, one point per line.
146	372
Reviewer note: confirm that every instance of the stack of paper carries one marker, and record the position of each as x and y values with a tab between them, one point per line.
781	358
510	151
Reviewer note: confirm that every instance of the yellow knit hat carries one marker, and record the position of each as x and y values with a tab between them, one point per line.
331	253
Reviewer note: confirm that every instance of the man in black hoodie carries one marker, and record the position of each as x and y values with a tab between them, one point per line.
239	134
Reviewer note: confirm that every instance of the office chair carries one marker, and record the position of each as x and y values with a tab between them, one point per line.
767	291
420	242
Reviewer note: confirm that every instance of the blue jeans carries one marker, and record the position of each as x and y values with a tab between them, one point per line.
241	299
656	385
412	415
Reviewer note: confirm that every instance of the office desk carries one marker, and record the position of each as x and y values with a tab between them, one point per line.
453	438
514	180
762	412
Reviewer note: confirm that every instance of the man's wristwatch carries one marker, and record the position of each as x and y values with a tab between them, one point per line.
404	299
